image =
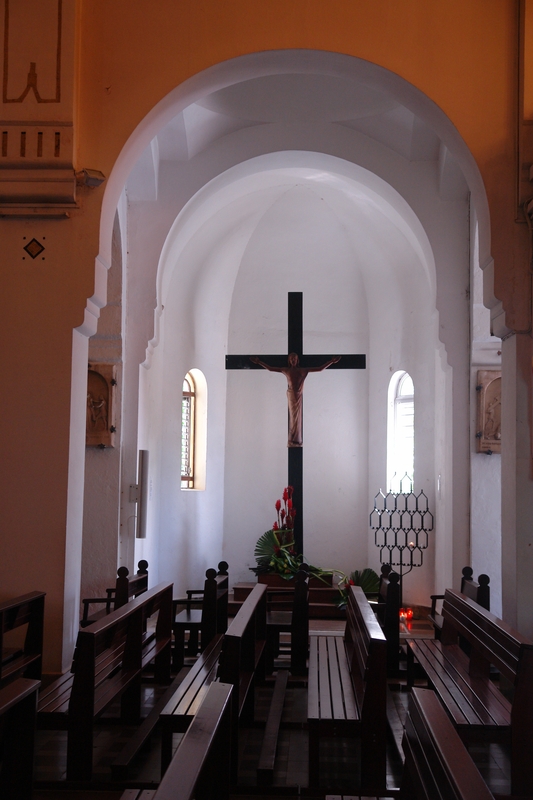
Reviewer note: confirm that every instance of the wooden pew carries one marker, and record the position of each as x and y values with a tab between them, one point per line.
108	662
121	765
288	612
347	691
463	684
387	608
478	591
200	769
437	764
122	592
195	596
233	658
22	652
18	704
210	620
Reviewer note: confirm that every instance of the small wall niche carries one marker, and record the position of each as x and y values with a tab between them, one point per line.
489	411
101	382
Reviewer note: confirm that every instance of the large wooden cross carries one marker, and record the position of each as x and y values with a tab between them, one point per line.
295	345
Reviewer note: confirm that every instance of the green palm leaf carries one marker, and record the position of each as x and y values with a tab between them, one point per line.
266	547
367	579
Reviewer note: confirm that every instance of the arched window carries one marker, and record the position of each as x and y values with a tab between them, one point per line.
401	433
193	430
188	403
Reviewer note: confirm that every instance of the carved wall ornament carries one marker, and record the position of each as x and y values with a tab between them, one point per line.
37	137
32	54
489	411
101	384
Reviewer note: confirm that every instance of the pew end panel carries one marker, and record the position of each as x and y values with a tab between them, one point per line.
21	637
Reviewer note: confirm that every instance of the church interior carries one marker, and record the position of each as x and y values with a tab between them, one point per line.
171	175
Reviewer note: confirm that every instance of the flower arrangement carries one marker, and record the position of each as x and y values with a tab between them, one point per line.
275	550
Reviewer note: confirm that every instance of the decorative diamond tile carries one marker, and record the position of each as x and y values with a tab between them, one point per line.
34	248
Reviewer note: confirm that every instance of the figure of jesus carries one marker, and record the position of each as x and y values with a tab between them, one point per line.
296	376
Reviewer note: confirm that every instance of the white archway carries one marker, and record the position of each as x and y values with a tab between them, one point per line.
262	169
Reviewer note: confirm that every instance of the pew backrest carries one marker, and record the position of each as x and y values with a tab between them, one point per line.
108	661
492	640
365	646
437	764
243	646
214	605
478	591
200	768
21	651
126	587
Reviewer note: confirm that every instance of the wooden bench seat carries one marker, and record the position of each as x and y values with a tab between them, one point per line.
234	658
463	684
109	659
347	691
21	651
178	713
18	704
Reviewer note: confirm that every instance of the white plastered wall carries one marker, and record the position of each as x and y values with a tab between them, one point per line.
369	286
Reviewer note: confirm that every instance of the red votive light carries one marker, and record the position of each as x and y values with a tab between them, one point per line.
409	613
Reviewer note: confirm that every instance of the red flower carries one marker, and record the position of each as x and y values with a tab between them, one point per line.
275	527
351	582
289	504
278	505
286	494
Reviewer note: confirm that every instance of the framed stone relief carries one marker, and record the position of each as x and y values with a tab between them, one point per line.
489	408
101	384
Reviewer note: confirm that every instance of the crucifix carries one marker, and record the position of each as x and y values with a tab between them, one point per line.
296	367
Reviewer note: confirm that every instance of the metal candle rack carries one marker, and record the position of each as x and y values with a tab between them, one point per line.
401	521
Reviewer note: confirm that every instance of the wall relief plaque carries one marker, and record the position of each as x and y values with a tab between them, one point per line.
100	396
489	411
